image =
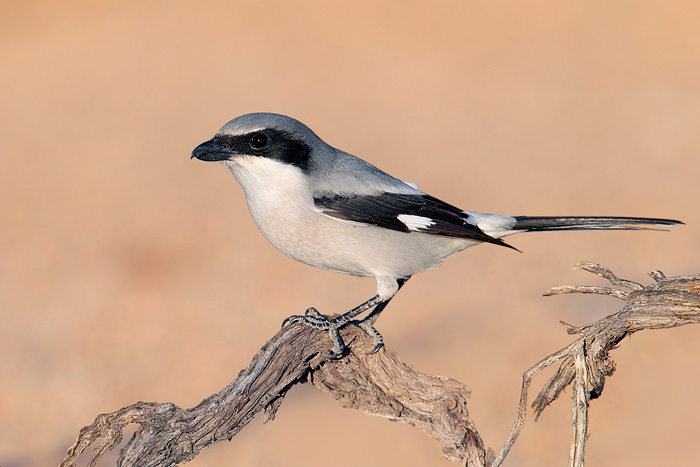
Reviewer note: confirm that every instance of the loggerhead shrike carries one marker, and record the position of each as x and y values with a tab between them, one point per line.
329	209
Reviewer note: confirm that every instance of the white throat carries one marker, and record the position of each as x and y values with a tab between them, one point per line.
271	187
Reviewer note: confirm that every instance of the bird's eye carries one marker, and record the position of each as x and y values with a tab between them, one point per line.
258	141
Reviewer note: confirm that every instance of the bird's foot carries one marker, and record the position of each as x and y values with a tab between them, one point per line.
314	319
367	325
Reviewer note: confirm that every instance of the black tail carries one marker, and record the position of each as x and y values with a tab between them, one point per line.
539	224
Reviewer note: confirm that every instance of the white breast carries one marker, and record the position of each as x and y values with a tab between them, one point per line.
271	187
278	198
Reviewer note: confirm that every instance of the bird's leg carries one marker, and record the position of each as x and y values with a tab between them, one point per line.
367	324
316	320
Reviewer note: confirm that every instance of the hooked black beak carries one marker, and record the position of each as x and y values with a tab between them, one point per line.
212	150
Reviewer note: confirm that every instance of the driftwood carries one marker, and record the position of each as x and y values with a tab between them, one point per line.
382	385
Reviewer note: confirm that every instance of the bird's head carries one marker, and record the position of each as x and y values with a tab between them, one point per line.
274	137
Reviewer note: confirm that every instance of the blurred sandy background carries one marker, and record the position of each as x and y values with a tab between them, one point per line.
130	272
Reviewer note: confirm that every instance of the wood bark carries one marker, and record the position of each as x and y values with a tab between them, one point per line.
382	385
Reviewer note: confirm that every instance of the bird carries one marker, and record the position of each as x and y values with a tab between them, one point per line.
327	208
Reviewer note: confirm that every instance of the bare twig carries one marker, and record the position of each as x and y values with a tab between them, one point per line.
562	289
579	415
606	273
382	385
522	406
670	302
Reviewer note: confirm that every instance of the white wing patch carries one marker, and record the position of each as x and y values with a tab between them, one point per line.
415	223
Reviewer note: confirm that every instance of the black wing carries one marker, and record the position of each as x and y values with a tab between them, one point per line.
384	210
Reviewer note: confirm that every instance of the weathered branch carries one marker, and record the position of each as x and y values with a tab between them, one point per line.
670	302
382	385
378	384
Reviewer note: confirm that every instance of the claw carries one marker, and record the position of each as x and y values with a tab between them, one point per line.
314	319
291	320
338	345
311	318
378	339
377	346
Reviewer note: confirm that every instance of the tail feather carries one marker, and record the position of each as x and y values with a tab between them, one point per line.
539	224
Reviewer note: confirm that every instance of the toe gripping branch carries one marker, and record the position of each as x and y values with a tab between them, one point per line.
316	320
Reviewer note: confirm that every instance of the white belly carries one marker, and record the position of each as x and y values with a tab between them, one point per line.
282	207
